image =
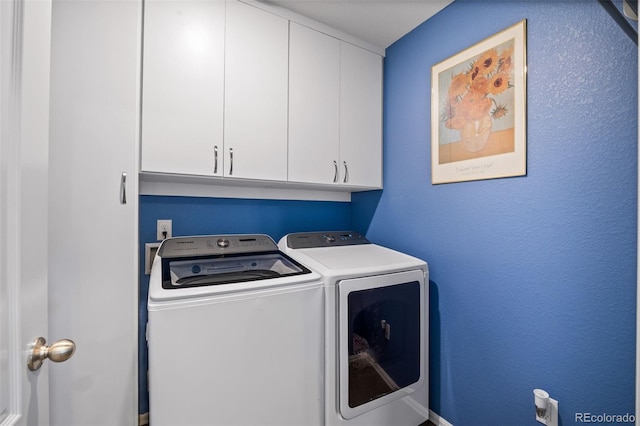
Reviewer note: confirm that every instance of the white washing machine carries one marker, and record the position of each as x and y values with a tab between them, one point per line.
235	334
376	328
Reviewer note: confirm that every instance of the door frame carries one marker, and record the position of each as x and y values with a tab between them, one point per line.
10	397
638	280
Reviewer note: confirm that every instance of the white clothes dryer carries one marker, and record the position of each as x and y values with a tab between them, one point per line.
376	328
235	334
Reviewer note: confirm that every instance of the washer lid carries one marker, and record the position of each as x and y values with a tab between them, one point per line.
183	272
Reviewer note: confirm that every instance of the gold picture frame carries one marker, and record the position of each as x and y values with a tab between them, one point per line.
478	110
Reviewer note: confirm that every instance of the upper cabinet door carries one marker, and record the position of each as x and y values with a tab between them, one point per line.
360	117
183	87
314	106
256	92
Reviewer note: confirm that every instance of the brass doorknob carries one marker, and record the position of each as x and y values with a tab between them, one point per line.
60	351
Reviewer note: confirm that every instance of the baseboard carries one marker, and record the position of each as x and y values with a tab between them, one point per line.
437	420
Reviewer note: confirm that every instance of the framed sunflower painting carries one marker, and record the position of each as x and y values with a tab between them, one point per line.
478	110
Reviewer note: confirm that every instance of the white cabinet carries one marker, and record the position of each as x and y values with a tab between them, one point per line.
335	111
234	91
314	98
183	87
256	87
360	117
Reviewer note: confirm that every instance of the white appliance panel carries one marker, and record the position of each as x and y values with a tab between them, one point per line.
231	361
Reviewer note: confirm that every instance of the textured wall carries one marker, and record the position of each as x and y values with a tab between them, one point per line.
533	278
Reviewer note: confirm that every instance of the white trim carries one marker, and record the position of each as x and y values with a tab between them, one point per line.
10	146
134	191
194	186
437	420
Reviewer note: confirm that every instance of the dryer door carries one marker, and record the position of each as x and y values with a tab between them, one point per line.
382	339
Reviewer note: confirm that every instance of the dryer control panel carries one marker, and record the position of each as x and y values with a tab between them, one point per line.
325	239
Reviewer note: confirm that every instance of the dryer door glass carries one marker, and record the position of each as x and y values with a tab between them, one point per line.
384	340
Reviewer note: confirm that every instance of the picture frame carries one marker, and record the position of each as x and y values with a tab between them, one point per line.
478	110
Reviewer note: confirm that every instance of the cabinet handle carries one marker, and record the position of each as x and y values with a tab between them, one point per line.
215	160
123	188
346	172
231	162
335	173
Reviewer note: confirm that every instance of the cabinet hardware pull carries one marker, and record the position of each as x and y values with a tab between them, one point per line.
215	160
123	188
335	173
346	172
231	158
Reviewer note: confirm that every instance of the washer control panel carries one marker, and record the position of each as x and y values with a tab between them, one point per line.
215	245
325	239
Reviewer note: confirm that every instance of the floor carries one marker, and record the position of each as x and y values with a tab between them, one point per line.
144	421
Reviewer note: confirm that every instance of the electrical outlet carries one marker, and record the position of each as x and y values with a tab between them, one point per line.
162	227
551	417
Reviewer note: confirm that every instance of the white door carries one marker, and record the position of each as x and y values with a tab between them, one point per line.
51	184
24	93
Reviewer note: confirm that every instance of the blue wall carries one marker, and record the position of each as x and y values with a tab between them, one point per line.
533	279
202	216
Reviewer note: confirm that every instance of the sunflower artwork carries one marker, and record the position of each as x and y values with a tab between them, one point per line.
477	102
478	108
